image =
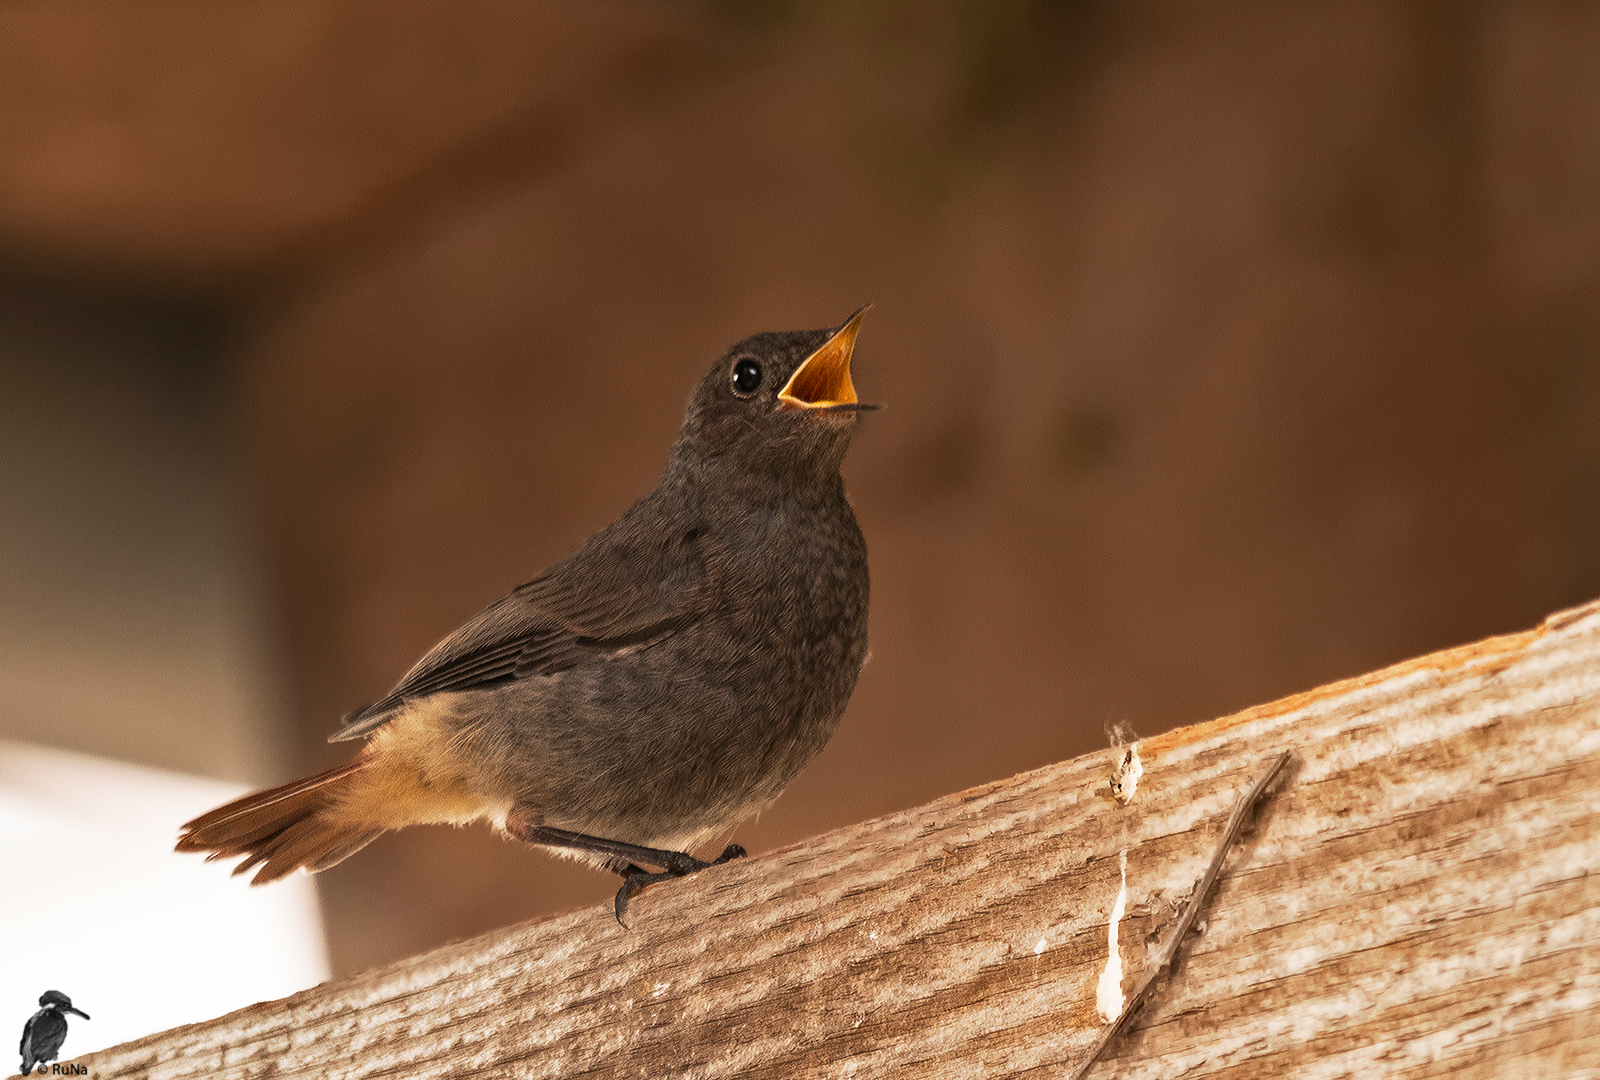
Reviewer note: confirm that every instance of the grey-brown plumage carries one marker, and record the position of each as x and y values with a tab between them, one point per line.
663	681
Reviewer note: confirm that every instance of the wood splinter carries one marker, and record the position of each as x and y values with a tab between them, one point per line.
1243	811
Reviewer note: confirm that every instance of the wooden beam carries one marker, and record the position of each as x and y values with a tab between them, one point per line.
1420	898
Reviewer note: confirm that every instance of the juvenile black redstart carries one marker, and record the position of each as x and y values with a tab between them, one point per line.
662	682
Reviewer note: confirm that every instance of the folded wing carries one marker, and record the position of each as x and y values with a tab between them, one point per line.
629	586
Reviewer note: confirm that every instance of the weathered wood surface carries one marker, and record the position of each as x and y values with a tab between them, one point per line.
1419	899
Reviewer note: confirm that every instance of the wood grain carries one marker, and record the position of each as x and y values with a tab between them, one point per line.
1418	899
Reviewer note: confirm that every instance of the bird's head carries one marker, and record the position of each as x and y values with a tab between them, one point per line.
776	403
58	1000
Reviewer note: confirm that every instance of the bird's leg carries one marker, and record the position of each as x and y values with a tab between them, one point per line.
676	863
625	857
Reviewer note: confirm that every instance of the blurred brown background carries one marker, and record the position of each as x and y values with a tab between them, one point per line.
1227	349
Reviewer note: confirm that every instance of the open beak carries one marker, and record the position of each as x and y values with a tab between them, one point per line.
823	381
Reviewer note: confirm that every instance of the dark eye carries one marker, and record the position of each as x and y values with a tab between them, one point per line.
746	377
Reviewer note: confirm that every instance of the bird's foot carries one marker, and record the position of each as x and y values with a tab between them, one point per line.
636	880
623	857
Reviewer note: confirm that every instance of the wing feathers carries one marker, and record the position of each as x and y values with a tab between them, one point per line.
636	582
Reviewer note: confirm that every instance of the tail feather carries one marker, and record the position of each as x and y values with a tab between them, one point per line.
301	844
284	828
339	854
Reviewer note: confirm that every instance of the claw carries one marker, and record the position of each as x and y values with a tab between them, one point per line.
637	881
634	884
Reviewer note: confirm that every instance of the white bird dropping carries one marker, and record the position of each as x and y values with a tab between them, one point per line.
1108	999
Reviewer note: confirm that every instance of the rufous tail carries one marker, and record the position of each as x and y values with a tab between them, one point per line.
284	828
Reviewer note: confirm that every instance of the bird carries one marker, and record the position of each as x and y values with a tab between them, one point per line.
46	1029
662	682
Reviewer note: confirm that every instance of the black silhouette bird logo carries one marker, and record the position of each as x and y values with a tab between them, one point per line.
46	1030
664	681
